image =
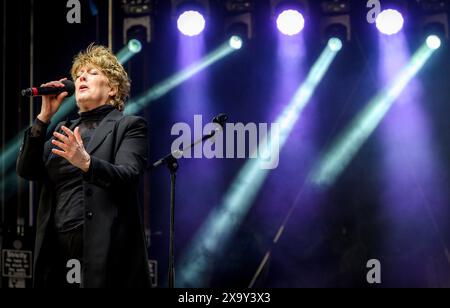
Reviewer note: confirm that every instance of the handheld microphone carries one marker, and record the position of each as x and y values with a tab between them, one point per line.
69	87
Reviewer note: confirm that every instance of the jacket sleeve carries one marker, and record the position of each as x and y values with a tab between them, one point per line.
130	159
30	161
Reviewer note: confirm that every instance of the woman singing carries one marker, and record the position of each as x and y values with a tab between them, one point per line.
89	171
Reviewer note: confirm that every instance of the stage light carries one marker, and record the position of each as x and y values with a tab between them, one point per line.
433	42
289	16
165	86
346	146
226	218
138	20
335	22
434	20
390	22
290	22
191	23
239	18
190	16
134	46
236	42
335	44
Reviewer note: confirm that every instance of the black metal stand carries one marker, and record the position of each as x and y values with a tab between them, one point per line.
173	167
171	161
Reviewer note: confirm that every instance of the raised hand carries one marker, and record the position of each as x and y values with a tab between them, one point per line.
72	148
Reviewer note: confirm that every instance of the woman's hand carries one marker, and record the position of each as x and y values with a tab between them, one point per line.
72	148
51	103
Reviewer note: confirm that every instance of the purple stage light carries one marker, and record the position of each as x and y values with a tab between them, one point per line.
191	23
290	22
390	22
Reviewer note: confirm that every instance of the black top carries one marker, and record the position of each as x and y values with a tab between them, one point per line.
68	179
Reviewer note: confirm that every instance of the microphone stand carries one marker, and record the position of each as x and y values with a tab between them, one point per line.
171	161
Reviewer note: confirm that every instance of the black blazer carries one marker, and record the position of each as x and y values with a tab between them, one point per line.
115	253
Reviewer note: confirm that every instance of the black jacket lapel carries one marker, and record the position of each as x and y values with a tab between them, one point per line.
104	128
73	124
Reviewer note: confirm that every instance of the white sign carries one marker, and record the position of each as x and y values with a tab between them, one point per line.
17	263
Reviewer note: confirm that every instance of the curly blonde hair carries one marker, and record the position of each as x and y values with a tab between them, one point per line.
103	59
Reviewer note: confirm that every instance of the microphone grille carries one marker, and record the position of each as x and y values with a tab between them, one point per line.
70	86
221	119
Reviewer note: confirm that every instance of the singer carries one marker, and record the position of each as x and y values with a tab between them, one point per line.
89	171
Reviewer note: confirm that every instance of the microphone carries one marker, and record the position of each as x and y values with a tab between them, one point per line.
69	87
220	119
